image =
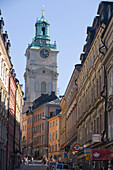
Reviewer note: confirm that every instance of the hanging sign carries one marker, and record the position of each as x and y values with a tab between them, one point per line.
77	147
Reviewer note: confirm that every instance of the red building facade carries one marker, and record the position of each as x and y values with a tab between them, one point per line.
11	117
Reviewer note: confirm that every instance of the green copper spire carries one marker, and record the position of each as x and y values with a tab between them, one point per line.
42	28
42	37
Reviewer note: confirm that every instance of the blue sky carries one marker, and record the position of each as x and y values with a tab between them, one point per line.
68	24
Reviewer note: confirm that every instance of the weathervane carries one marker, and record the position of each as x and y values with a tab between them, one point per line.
43	10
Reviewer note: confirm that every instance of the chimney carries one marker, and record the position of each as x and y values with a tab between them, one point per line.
8	45
5	37
1	25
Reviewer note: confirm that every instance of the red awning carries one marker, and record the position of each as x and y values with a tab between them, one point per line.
101	155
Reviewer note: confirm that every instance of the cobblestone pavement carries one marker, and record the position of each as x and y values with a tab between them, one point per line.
32	167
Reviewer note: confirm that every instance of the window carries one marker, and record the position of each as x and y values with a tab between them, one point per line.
43	30
53	123
38	128
50	125
51	114
53	135
52	148
49	87
43	114
58	111
56	147
36	86
109	11
43	87
50	136
56	134
42	126
56	122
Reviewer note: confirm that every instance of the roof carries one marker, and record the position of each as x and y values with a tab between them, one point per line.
42	20
54	102
44	99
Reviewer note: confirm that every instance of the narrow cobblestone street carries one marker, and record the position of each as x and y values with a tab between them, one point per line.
32	167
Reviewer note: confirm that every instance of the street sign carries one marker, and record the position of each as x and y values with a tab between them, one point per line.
87	156
65	154
77	147
87	150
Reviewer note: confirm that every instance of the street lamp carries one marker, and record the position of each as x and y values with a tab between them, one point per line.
46	147
30	110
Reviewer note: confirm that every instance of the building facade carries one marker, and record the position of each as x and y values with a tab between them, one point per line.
92	98
18	117
5	66
54	137
11	119
24	134
68	122
41	63
37	125
107	37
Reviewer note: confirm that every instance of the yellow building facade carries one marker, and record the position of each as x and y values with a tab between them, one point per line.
54	137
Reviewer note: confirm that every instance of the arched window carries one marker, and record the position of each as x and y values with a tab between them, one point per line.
43	87
43	30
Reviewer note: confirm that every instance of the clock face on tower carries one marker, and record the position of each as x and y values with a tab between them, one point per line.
44	53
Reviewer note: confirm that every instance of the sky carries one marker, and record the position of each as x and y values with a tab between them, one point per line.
68	26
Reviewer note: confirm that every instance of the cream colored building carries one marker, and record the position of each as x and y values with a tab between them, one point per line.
91	98
108	64
5	66
69	116
18	122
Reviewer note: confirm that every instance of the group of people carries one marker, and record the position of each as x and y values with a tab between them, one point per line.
27	159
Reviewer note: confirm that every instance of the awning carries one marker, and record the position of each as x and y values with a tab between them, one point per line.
101	155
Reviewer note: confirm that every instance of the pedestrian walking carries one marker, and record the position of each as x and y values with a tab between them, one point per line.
32	160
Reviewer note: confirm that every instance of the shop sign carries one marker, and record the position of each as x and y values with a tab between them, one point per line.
65	154
96	138
77	147
87	150
87	156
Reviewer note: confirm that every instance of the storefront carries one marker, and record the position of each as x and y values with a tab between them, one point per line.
101	158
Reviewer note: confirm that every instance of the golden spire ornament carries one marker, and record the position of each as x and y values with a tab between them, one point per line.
42	10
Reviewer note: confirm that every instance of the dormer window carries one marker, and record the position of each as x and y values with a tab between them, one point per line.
102	16
109	12
43	30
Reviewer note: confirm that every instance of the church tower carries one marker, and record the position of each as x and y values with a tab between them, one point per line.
41	63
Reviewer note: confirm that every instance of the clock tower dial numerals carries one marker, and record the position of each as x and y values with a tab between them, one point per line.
44	53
